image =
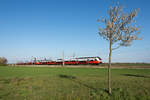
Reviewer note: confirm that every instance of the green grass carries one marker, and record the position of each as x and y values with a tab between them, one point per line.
31	83
127	64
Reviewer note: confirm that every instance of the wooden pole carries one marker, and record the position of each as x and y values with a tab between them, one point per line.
63	63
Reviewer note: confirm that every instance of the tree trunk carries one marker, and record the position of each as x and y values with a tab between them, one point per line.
109	67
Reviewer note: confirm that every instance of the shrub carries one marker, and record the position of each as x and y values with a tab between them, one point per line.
3	61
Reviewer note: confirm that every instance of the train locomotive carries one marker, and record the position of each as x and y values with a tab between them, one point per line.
74	61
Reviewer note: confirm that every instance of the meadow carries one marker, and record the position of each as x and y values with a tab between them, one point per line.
50	83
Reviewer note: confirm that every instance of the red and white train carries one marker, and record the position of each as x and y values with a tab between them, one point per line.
74	61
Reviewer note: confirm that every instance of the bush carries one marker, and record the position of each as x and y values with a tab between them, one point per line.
3	61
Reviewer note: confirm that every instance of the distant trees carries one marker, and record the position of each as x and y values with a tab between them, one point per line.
3	61
120	30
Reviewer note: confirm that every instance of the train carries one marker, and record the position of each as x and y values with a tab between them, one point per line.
74	61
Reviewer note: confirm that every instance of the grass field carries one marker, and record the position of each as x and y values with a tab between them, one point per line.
128	65
31	83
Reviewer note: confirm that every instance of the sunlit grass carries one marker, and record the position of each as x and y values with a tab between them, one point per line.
31	83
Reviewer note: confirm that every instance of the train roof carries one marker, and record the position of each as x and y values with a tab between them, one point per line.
87	57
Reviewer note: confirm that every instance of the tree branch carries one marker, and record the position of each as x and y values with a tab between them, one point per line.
116	48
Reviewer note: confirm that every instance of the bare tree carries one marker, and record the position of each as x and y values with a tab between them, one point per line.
120	30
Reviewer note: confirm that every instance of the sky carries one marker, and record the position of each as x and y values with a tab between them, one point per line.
46	28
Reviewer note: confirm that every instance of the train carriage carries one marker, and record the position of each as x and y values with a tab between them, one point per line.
75	61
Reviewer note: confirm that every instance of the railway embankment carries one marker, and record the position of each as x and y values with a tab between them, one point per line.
104	65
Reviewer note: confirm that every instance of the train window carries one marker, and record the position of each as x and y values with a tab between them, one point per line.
95	59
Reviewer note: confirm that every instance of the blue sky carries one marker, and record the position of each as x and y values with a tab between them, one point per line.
45	28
